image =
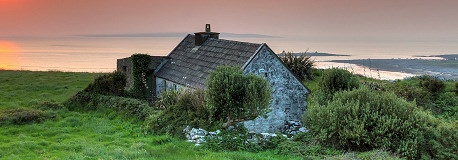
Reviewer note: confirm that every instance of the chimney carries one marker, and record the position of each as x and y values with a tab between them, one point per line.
201	37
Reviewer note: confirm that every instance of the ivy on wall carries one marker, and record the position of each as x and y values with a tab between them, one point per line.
140	72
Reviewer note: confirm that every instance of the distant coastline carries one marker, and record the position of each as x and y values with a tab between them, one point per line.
446	68
314	54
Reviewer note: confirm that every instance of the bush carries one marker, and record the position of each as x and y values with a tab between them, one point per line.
109	84
83	101
25	116
363	120
38	113
233	97
456	88
411	93
182	109
335	80
448	105
432	84
301	66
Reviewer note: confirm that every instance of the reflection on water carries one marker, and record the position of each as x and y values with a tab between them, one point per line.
99	54
8	55
82	54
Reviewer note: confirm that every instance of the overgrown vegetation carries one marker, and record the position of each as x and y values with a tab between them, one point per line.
374	118
332	81
233	97
108	84
180	109
379	120
442	102
230	97
432	84
140	72
456	88
87	101
102	132
301	66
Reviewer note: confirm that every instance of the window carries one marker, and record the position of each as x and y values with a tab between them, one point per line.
124	68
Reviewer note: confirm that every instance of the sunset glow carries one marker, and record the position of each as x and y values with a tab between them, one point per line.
8	55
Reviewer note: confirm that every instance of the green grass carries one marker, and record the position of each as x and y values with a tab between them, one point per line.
100	134
27	88
92	135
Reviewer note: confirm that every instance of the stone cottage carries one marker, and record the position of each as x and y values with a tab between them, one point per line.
190	63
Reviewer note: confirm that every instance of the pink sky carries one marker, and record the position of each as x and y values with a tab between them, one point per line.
286	18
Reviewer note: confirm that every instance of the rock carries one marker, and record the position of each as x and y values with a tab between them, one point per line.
253	140
200	140
187	129
293	127
303	129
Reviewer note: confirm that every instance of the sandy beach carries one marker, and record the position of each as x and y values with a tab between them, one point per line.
446	67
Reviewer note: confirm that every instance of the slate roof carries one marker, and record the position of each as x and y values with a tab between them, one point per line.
190	65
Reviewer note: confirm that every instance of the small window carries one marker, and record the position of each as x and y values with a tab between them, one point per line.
124	68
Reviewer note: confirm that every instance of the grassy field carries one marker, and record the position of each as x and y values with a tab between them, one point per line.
101	134
27	88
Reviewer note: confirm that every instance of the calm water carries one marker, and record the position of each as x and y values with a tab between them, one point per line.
99	54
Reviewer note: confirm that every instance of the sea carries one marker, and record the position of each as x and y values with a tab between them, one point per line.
99	53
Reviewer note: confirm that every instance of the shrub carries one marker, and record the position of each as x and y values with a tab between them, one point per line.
83	101
25	116
432	84
232	97
439	140
301	66
338	80
166	99
187	109
38	113
456	88
448	105
108	84
335	80
363	119
411	93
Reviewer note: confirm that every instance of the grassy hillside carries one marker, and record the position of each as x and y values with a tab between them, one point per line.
99	134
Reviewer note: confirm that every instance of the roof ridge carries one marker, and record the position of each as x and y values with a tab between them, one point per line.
234	41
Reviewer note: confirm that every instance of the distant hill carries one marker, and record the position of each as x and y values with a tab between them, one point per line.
313	54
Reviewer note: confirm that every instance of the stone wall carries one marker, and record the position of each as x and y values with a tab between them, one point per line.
125	64
288	93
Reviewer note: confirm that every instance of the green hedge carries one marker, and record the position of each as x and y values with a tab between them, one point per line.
92	101
109	84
